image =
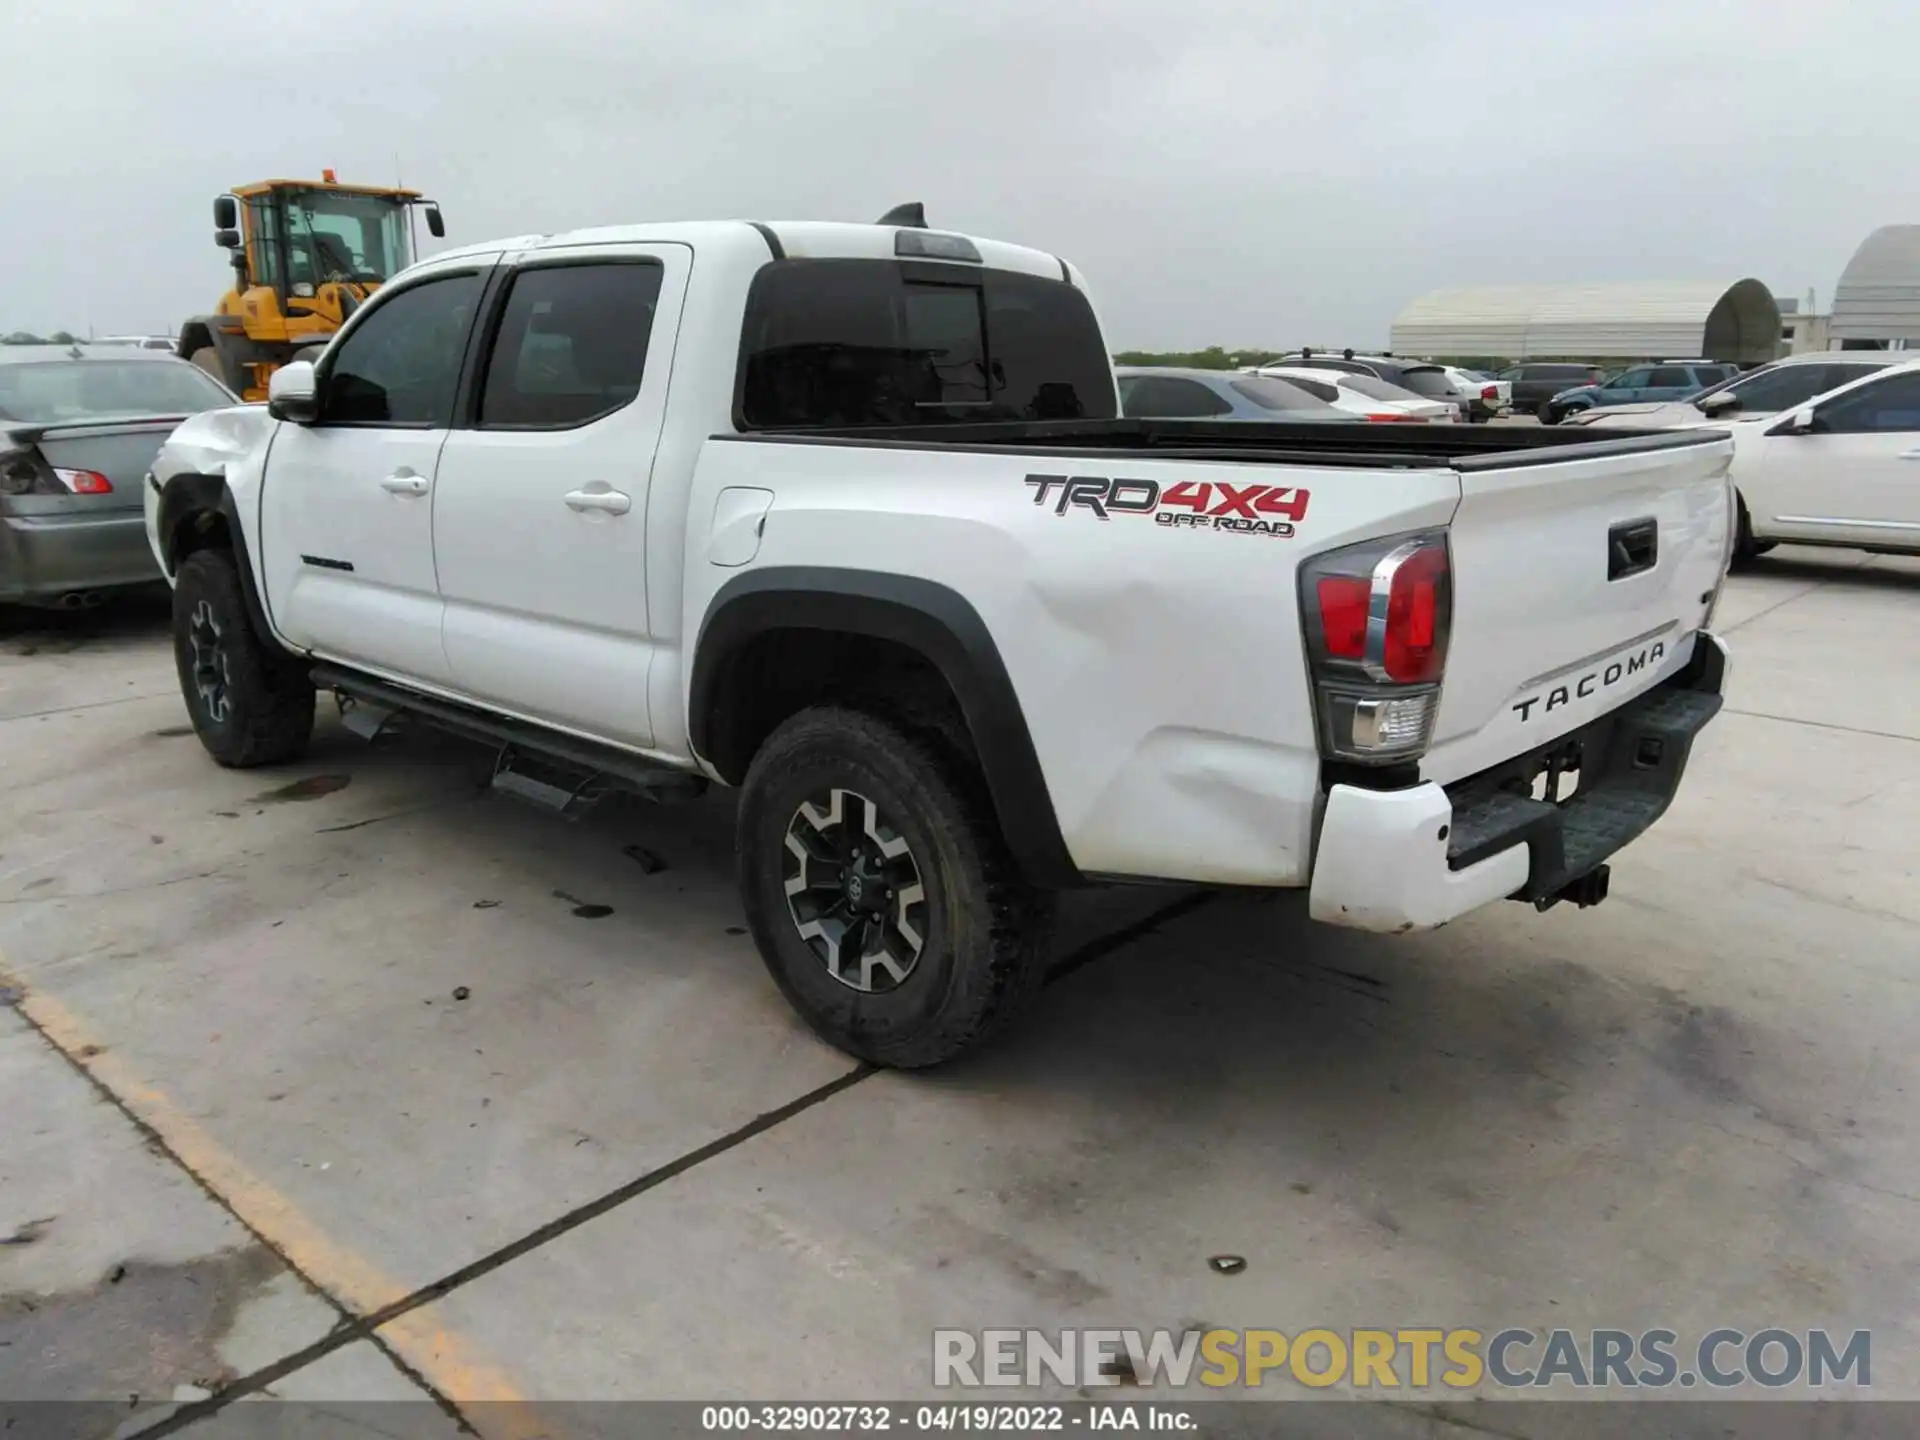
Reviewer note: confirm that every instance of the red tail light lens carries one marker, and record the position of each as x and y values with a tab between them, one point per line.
85	482
1384	419
1489	392
1377	616
1412	653
1343	614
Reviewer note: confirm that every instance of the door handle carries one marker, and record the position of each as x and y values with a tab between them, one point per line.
1913	454
611	502
405	482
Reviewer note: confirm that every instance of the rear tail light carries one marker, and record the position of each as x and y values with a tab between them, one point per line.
1489	392
26	472
1384	419
1377	618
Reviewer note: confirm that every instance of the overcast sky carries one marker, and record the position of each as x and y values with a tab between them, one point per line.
1240	172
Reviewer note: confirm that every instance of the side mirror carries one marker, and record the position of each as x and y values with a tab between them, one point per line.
1717	404
226	213
1801	421
436	227
227	239
293	393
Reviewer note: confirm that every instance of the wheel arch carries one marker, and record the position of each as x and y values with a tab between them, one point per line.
930	620
198	512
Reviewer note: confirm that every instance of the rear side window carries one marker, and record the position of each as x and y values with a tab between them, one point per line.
1374	389
1272	393
833	343
1318	389
1431	383
1168	397
1890	404
1675	377
572	345
1577	374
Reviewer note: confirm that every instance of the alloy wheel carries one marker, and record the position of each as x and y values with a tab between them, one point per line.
210	678
854	891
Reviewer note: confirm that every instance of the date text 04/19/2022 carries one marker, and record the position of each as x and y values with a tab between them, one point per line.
975	1419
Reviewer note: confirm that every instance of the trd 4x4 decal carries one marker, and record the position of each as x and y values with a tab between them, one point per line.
1188	505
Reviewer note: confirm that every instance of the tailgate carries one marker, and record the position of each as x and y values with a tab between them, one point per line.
1579	580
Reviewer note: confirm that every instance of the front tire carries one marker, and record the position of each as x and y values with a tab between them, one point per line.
1746	549
880	892
250	705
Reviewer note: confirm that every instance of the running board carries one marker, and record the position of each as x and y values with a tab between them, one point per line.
527	755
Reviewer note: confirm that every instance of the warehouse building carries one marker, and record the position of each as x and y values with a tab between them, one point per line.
1876	305
1735	320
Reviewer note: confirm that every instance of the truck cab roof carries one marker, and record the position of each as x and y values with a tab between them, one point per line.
781	239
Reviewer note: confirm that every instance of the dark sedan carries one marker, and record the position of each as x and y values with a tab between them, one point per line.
79	429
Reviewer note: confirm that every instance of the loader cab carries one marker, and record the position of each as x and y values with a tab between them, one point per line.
305	255
297	237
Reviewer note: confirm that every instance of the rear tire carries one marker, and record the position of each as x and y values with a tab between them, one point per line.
250	705
954	946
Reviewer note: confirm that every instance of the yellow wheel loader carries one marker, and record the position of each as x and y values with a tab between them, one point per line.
305	254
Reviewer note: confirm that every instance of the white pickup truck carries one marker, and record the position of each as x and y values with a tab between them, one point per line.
844	515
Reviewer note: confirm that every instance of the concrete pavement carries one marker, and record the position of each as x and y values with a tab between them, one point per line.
615	1167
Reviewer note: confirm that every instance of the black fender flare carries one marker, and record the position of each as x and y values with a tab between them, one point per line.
183	500
926	617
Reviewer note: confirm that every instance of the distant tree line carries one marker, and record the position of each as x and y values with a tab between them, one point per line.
27	337
1211	358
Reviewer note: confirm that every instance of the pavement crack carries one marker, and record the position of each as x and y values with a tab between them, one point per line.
1098	949
111	889
440	803
90	705
1762	614
1823	725
351	1327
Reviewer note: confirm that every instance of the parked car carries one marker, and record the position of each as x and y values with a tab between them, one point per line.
1768	390
79	428
962	633
1363	396
1424	378
1670	380
1481	397
1534	383
1841	469
1165	392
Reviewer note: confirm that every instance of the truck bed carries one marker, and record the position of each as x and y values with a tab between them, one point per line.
1356	444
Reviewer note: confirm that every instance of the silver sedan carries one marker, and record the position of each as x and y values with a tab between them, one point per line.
1166	392
79	428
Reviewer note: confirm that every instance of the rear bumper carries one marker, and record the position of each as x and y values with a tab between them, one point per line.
1398	860
43	557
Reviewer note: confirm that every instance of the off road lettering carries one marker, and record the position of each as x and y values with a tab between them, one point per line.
1186	505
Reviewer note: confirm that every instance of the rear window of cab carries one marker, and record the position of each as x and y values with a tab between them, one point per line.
851	343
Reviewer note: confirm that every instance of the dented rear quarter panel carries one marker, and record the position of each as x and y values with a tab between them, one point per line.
1160	669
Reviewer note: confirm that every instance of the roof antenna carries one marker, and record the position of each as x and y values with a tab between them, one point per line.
912	215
